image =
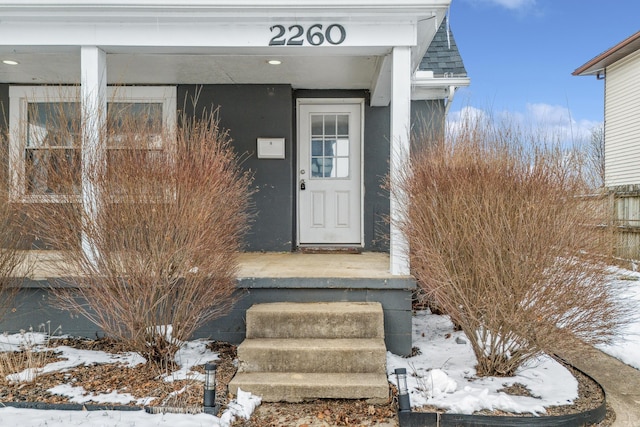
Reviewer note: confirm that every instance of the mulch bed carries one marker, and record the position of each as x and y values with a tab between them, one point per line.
140	381
143	381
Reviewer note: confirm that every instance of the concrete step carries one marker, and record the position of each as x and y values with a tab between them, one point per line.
313	355
316	320
298	387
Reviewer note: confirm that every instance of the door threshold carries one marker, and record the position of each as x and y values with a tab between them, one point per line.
328	249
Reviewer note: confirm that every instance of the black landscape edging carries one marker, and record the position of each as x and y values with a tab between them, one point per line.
579	419
417	419
69	406
95	407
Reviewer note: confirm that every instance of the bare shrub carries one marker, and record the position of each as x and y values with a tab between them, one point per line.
154	235
498	241
14	261
23	355
595	157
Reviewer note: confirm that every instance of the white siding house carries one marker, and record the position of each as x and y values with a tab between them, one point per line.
622	129
619	67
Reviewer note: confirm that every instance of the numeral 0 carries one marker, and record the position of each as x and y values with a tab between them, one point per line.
329	34
314	35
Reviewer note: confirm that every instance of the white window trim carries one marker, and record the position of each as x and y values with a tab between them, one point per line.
20	96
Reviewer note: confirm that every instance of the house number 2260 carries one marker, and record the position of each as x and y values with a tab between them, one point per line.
296	35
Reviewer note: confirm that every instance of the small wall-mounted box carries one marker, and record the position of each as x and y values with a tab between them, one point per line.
271	148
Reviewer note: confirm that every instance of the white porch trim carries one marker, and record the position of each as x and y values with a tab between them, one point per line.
400	145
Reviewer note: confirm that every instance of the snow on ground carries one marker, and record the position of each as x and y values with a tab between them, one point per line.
77	357
627	288
445	376
191	353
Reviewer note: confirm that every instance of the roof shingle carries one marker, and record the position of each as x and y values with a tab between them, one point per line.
443	56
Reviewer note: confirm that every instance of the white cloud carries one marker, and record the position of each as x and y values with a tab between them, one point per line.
509	4
560	121
549	122
467	113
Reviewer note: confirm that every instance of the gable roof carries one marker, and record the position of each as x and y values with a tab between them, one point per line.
608	57
442	56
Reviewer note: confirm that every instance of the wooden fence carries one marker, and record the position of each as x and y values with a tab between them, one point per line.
617	212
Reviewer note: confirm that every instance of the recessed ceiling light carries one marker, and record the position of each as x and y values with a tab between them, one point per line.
10	62
274	62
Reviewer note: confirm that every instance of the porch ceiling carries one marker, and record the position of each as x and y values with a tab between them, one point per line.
60	66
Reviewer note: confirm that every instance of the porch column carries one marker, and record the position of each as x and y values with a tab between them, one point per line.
93	93
400	145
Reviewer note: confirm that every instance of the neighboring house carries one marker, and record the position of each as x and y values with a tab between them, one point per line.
619	67
277	69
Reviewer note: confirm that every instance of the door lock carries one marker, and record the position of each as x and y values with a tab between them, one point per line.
303	186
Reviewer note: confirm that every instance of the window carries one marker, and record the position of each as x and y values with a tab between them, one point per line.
45	127
329	145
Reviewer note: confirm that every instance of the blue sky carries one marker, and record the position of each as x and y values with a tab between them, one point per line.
520	55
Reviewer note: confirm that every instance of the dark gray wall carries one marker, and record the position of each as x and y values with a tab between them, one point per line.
35	306
376	168
427	121
252	111
4	129
4	108
249	112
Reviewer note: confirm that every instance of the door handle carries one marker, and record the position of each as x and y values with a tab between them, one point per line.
303	186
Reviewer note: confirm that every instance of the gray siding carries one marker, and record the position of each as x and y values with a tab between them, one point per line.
249	112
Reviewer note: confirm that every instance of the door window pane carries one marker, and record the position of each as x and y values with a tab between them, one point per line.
342	148
317	147
342	167
343	124
330	146
317	124
330	125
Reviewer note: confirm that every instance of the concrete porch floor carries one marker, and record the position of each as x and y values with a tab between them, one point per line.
366	265
270	265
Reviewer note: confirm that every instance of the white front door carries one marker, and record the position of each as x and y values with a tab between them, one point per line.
329	173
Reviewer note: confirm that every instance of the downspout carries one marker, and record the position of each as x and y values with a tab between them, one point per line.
452	91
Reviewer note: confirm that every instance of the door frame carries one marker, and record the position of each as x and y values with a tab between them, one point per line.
328	101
